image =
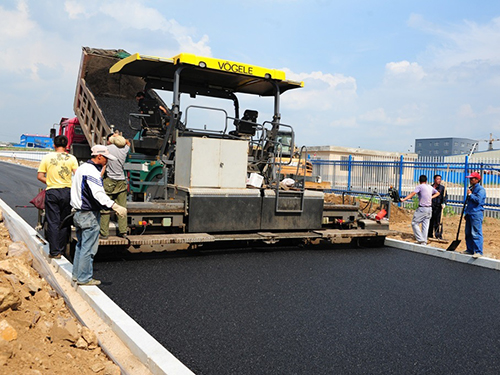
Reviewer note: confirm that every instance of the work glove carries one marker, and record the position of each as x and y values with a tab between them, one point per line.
120	210
443	206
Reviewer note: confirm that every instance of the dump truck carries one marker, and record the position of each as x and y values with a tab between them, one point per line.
209	185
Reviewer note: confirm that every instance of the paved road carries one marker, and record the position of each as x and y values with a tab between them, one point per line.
365	311
342	311
18	185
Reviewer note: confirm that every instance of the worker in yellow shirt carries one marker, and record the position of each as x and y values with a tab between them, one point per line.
56	170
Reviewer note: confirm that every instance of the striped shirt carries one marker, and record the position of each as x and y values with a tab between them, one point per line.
87	192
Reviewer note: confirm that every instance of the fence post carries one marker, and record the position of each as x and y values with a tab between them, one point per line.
466	173
349	170
400	182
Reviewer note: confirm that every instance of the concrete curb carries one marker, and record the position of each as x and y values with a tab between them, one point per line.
442	253
150	352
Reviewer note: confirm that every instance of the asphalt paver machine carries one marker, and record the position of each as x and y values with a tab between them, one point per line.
192	185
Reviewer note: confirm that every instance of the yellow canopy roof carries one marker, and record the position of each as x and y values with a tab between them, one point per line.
206	72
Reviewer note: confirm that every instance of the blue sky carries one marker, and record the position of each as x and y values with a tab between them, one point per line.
377	74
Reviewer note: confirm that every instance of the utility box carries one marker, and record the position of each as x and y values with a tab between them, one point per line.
211	163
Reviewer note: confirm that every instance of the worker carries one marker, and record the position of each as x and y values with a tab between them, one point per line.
141	96
55	170
89	198
476	197
423	213
438	205
115	183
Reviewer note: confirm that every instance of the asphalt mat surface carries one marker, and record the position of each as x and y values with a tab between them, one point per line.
343	311
19	185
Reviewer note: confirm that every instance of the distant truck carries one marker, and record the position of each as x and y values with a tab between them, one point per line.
35	141
77	143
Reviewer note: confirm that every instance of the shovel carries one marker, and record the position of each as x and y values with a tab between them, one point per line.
453	246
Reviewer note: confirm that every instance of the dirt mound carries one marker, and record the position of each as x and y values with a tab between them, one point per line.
38	334
400	214
397	214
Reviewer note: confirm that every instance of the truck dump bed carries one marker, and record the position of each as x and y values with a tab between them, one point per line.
104	99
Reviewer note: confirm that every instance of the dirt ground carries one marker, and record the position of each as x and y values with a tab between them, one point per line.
27	163
400	220
38	334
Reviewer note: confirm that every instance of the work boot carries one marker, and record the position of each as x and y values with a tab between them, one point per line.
90	282
477	255
467	252
57	256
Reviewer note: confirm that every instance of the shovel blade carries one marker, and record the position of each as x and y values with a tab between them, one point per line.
453	246
439	231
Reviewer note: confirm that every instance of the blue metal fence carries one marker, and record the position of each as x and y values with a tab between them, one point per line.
379	176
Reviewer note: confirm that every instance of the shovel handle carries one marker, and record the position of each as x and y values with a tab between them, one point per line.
462	216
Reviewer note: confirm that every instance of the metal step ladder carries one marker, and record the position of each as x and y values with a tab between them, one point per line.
291	201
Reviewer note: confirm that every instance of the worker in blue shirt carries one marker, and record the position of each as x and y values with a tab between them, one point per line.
474	216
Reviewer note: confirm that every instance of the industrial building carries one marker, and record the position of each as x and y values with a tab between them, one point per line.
34	141
443	146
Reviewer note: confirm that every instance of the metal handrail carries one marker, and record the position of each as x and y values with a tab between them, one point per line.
210	109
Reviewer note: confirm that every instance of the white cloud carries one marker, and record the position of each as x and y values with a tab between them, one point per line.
404	70
466	111
491	110
465	43
16	23
377	115
346	123
74	9
25	47
321	91
404	116
151	19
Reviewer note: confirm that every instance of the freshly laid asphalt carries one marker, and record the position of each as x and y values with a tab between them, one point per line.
291	311
19	185
342	311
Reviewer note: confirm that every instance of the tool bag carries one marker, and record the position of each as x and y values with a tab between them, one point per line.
39	200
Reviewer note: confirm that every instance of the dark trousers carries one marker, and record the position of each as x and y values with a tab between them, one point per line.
57	207
434	230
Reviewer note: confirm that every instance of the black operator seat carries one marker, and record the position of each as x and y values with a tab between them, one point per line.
151	107
248	123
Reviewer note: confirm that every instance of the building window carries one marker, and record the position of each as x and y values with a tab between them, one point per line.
456	144
462	144
436	144
344	166
419	144
446	143
445	151
436	152
419	152
430	144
